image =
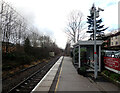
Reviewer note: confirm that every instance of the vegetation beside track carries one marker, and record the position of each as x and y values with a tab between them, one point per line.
25	56
111	75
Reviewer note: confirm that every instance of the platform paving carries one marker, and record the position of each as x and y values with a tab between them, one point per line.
66	78
47	80
70	80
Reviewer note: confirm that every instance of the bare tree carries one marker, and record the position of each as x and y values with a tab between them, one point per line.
34	39
75	25
15	29
7	24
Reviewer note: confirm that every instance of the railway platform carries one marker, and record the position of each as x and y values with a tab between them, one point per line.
69	80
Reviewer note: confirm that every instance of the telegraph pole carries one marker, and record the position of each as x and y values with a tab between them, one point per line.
95	54
96	14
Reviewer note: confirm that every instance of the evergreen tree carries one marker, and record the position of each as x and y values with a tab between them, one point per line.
27	46
99	28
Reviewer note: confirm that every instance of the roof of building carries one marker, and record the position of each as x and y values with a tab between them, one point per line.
113	34
90	42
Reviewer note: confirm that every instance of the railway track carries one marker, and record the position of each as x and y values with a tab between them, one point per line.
16	73
27	84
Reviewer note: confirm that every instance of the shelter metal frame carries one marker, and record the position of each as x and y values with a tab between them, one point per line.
79	44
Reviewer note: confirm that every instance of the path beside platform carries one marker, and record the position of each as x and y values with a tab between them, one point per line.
70	80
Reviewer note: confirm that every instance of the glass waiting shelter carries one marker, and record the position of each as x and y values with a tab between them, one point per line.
83	53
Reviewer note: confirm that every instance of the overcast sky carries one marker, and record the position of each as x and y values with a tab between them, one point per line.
50	16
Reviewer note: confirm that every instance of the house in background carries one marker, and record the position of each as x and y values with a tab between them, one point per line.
115	39
112	41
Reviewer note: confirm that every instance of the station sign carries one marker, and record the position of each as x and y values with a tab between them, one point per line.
112	64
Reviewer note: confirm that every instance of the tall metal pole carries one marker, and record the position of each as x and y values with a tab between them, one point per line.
79	57
95	54
1	47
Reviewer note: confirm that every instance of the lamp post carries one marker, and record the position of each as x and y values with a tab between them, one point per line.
96	14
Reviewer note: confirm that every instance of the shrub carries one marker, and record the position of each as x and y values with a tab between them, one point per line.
106	72
25	59
112	75
8	56
82	71
115	76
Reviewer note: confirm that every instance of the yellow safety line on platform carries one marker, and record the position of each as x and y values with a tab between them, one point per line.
58	79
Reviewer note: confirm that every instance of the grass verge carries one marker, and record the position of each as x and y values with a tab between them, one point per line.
111	76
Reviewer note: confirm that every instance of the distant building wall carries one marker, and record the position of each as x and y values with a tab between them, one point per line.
115	40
